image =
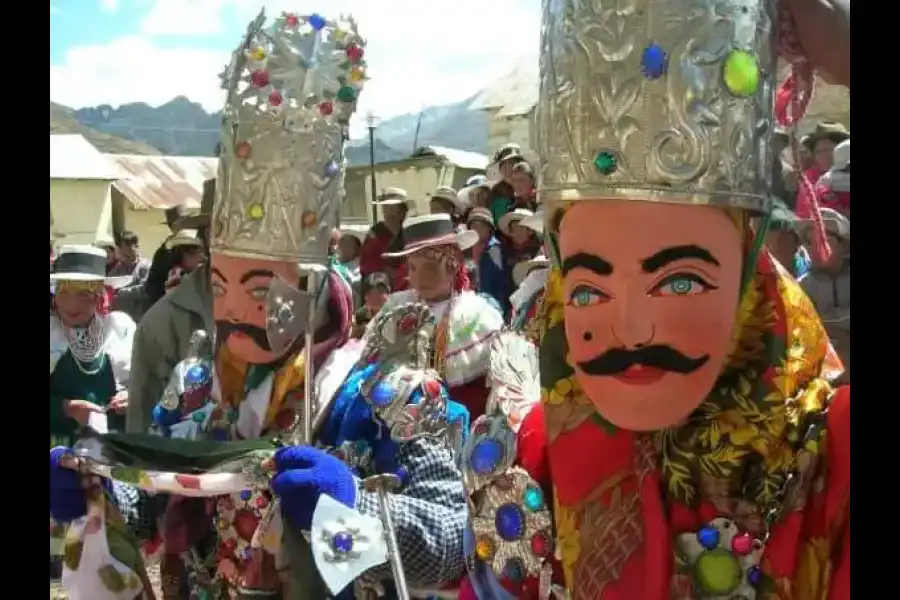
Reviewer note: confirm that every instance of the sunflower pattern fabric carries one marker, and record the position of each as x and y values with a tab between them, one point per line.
771	441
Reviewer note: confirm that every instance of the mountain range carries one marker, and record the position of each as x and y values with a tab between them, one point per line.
181	127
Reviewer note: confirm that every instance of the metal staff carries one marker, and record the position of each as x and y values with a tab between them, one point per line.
382	485
312	288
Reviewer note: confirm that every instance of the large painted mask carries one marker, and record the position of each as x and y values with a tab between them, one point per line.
650	295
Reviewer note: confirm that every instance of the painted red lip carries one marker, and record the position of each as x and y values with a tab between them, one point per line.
641	375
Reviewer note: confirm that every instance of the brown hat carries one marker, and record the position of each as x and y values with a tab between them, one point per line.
173	214
201	219
829	130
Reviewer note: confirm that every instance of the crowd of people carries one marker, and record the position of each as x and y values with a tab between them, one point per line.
616	381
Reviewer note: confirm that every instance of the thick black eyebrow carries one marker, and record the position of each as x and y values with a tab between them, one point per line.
591	262
256	273
219	274
654	263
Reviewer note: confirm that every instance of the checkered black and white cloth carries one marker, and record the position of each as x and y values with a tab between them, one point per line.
429	515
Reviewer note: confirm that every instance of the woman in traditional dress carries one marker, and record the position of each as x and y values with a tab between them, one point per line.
466	321
90	347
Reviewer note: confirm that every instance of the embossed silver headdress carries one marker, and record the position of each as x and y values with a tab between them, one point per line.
657	100
292	87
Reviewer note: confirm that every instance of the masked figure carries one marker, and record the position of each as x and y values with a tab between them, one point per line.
279	187
688	442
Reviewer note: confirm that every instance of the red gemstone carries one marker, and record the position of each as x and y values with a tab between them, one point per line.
242	151
259	78
432	388
291	19
326	108
275	98
354	53
407	324
245	523
262	502
540	545
742	544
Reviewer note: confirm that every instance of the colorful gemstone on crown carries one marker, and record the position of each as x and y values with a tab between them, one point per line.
653	61
741	74
605	162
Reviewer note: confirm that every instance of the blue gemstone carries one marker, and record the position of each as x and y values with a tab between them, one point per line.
342	542
197	374
245	495
382	394
708	537
533	498
402	474
486	455
332	169
510	522
754	575
514	570
317	22
653	61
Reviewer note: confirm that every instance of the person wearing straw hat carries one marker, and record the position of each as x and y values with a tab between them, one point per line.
690	441
521	244
90	347
466	321
446	200
493	278
385	236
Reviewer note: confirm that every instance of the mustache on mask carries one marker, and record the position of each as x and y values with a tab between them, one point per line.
618	360
224	329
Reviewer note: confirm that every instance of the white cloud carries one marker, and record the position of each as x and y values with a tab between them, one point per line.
109	5
419	53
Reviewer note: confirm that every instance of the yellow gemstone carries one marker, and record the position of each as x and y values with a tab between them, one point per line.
256	212
741	73
222	524
485	548
357	74
144	480
258	54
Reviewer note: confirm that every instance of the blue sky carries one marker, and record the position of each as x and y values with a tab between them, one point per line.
420	52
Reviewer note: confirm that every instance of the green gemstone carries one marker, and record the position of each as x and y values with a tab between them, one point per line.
741	74
605	162
717	572
534	499
198	417
346	94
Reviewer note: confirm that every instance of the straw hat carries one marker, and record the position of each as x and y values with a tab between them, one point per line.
522	269
509	218
482	214
185	237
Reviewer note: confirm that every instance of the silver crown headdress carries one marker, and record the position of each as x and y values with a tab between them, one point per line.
657	100
292	87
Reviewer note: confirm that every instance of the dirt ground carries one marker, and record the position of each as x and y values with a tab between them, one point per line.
57	593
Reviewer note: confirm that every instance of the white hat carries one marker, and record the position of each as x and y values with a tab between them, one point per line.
535	222
448	194
84	263
184	237
426	231
393	195
511	217
479	213
841	156
835	223
522	269
104	243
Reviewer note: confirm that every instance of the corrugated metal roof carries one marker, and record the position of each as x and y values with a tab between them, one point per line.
160	182
514	94
73	157
459	158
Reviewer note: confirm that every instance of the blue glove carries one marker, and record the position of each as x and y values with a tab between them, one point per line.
68	500
304	473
